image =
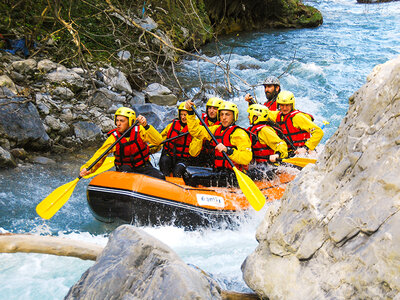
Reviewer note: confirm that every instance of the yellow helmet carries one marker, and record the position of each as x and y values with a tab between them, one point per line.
214	102
285	97
126	112
258	110
227	105
182	106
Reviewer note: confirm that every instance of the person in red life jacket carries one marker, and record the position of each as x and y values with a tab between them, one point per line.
132	152
231	138
210	117
267	146
302	133
272	87
179	152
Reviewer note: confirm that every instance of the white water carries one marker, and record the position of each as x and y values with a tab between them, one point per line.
331	63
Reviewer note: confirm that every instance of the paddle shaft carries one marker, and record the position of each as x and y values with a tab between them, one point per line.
171	139
212	136
112	146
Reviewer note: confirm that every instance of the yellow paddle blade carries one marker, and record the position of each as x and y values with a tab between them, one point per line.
53	202
250	190
107	164
299	161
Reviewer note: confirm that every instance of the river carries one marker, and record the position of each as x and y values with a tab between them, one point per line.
322	66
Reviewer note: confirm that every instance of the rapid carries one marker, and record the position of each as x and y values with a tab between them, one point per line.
322	66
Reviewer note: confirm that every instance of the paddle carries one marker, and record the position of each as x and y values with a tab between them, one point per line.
53	202
248	187
171	139
299	161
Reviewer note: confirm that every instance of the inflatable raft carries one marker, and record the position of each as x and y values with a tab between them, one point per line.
143	200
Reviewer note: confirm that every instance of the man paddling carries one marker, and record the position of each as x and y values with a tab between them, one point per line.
132	152
267	146
178	153
272	87
303	134
232	139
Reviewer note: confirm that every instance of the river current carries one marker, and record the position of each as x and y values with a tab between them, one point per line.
322	66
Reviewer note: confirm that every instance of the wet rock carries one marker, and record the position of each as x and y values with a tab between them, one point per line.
336	233
87	132
6	159
159	94
156	115
105	98
21	124
134	265
41	160
138	98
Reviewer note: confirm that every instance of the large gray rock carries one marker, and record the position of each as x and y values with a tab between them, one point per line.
134	265
156	115
21	125
116	79
159	94
87	132
336	234
69	78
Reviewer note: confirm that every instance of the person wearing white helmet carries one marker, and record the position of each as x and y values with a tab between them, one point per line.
302	133
231	138
132	152
272	87
178	152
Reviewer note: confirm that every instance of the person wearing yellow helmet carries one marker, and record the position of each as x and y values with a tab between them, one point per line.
267	146
302	133
132	152
178	152
231	138
211	114
272	87
210	117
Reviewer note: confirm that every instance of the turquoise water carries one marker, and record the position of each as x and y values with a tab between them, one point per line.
327	65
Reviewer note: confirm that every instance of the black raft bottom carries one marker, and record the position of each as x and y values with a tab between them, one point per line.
109	205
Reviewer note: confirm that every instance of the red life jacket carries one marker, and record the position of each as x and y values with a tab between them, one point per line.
271	104
134	152
260	151
208	149
178	147
297	136
205	117
224	138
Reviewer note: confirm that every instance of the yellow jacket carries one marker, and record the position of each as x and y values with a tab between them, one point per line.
239	138
303	122
268	136
193	147
151	135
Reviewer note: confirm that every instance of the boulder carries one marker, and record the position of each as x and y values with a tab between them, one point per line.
63	76
156	115
116	79
87	132
336	233
159	94
6	81
46	65
6	159
134	265
105	98
21	125
26	66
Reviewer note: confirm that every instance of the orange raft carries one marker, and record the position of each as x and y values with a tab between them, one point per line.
144	200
